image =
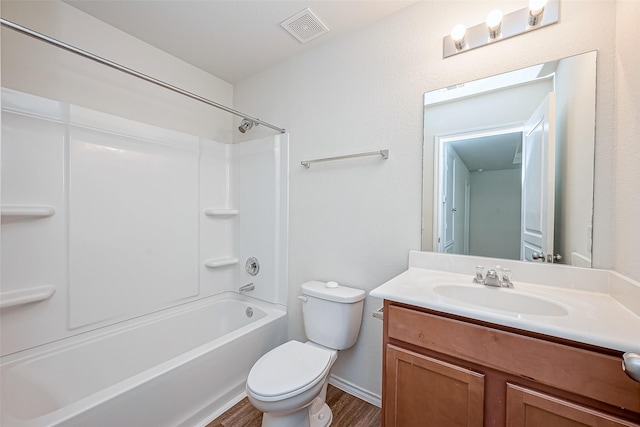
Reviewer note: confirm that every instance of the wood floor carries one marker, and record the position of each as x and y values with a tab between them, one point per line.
348	411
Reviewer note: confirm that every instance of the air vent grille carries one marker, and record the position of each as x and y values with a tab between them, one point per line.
305	26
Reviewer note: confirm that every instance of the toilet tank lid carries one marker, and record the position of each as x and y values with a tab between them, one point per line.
342	294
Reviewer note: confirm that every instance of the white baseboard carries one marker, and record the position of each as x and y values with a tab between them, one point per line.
338	382
356	391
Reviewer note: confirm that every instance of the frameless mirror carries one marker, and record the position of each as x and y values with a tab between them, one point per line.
508	164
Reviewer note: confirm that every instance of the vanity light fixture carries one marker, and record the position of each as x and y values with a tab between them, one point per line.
538	14
494	24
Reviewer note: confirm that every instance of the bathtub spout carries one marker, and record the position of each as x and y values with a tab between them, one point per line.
246	288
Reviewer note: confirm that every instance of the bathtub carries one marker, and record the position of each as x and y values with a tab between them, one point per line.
178	367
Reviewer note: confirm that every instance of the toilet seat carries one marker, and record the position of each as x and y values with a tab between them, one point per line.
288	370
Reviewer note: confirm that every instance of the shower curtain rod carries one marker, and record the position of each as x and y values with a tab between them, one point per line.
96	58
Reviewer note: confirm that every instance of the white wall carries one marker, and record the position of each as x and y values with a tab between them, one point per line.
354	221
495	213
575	113
627	176
31	66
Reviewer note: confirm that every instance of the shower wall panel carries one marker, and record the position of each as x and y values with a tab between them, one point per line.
218	233
109	215
261	185
133	230
34	248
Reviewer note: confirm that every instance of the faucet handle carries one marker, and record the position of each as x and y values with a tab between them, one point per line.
479	275
505	280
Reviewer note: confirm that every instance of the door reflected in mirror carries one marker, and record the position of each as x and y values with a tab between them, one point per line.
512	158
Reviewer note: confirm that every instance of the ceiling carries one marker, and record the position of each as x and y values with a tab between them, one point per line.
495	152
232	39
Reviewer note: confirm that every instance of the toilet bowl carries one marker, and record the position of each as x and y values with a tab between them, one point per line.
285	382
289	383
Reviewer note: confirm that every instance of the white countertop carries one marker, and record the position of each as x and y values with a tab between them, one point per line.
592	317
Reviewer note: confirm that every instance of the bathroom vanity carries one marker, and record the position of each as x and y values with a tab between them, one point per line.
529	356
444	370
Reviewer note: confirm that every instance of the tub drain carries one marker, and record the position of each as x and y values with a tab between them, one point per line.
249	312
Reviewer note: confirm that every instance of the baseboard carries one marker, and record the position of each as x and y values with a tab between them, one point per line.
338	382
228	405
356	391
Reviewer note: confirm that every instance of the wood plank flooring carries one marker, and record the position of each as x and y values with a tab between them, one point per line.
348	411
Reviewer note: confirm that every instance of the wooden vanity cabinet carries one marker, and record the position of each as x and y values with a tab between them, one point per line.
445	371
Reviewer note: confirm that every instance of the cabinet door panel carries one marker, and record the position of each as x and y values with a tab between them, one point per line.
422	392
528	408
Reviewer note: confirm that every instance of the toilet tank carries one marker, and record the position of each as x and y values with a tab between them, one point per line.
332	315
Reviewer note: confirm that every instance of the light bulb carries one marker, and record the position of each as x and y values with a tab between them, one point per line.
537	6
457	34
494	19
494	23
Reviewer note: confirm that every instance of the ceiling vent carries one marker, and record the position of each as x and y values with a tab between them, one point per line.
305	26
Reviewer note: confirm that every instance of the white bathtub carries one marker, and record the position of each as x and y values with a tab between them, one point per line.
179	367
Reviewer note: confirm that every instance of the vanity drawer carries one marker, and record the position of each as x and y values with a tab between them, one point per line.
576	370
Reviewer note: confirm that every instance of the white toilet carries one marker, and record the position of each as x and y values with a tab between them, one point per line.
289	383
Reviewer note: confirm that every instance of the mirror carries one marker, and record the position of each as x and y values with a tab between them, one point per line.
508	164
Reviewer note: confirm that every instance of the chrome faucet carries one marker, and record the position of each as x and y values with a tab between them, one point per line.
246	288
492	278
501	279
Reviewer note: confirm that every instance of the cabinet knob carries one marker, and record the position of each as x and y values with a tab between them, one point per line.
631	365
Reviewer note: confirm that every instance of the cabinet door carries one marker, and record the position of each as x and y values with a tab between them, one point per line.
528	408
423	392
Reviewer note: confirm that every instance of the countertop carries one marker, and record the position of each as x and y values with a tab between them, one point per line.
591	317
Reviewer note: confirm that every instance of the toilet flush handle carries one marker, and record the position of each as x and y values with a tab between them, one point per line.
302	298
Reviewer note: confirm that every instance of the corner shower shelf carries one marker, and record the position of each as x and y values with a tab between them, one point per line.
220	262
26	296
221	212
34	211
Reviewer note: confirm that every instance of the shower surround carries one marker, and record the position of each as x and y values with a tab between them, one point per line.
108	223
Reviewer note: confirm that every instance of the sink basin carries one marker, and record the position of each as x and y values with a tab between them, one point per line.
500	299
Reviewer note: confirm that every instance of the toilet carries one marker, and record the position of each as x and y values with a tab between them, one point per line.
289	383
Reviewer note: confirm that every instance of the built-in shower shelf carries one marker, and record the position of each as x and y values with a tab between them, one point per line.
220	212
220	262
26	296
33	211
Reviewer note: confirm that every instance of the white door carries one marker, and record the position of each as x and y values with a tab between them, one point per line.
538	183
467	219
447	233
